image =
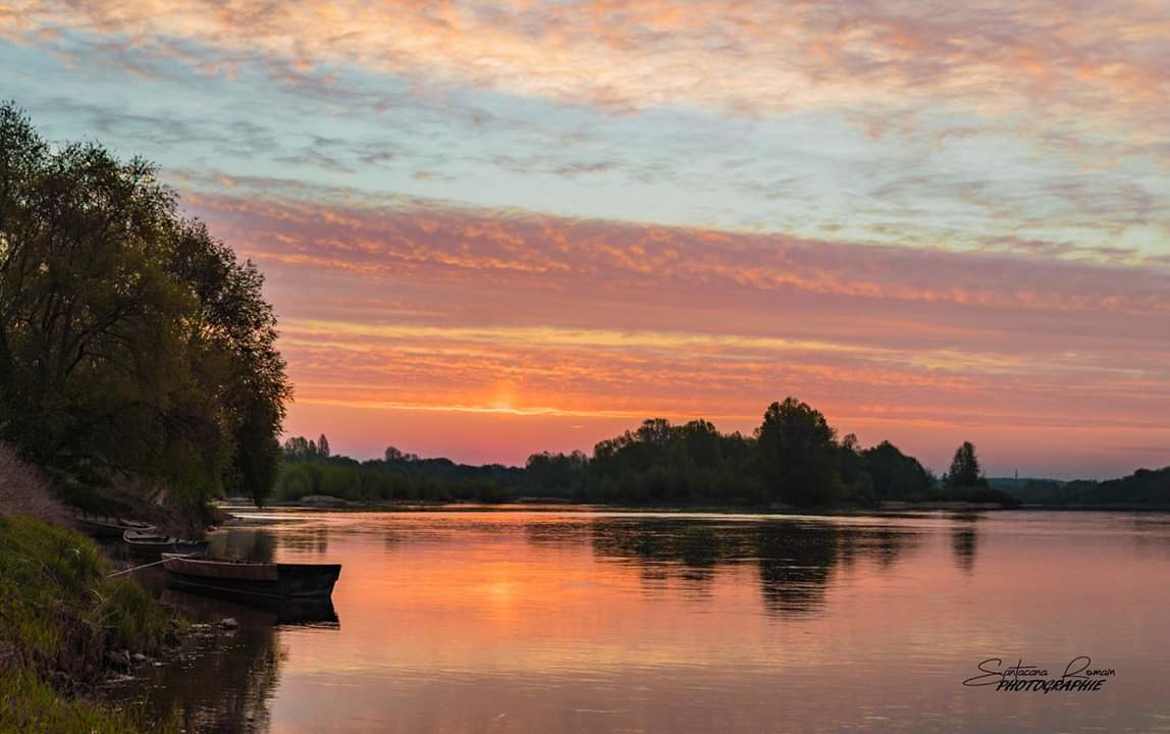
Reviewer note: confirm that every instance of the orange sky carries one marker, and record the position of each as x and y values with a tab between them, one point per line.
476	339
494	228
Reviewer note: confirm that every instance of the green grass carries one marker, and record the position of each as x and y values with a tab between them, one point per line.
28	704
59	617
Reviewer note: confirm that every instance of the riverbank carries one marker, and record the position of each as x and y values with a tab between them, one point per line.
65	627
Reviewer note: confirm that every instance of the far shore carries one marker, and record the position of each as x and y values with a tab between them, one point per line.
557	504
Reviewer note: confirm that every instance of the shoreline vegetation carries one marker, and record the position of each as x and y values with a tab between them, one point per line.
70	625
793	463
139	378
66	626
793	460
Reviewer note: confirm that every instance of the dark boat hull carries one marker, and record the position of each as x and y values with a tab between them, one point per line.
293	582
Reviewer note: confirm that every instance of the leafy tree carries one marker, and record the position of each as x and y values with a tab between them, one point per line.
965	471
798	454
895	475
702	444
656	432
257	457
323	447
131	341
296	447
855	476
236	328
392	454
556	474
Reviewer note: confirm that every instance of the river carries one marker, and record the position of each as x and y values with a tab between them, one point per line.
576	621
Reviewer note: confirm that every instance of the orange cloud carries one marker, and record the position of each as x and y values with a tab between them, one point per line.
400	326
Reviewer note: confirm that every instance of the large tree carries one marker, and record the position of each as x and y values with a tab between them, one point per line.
799	454
130	339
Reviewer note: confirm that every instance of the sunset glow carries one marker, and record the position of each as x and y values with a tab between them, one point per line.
492	229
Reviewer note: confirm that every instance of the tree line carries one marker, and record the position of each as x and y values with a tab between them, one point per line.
132	342
309	469
793	458
1145	487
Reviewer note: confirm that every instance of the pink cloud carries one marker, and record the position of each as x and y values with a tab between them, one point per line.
438	311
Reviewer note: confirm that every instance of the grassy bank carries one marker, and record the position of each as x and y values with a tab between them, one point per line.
63	626
28	704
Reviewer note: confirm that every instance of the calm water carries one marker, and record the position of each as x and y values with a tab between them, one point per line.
581	622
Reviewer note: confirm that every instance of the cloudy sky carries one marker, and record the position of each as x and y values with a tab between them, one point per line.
491	228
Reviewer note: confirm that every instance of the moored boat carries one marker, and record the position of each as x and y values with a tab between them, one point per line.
110	527
251	581
149	542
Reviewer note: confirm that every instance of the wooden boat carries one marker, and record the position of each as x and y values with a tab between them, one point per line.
251	581
109	527
148	542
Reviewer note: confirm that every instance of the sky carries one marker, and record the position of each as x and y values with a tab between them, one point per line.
495	228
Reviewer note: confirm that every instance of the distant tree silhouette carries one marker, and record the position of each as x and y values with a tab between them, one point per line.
551	474
392	454
1144	487
855	475
305	470
895	475
965	471
296	447
798	454
323	447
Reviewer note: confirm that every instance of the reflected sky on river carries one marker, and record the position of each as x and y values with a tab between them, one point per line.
578	622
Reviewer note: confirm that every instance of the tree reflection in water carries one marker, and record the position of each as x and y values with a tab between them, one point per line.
795	558
796	562
964	539
243	544
312	539
259	544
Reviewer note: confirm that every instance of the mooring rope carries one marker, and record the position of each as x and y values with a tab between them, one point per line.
135	568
